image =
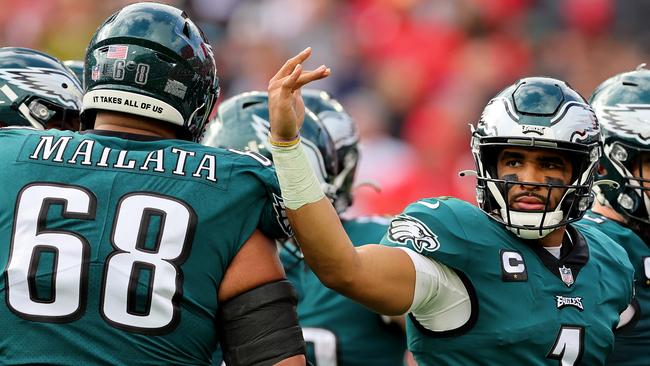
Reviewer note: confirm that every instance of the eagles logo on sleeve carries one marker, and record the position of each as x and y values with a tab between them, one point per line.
404	228
281	215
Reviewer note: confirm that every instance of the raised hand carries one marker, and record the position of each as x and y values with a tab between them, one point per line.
286	108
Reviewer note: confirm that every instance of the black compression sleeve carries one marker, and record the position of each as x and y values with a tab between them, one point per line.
260	326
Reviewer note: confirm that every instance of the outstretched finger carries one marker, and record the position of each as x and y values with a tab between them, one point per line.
309	76
288	84
291	63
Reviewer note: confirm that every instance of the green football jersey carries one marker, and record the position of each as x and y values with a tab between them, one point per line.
632	346
114	249
528	308
337	330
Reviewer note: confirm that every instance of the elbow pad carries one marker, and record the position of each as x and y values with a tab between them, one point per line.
260	326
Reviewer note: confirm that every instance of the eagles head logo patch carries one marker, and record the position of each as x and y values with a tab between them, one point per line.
405	228
629	120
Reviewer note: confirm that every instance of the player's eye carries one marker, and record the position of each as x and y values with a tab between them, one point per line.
513	163
551	165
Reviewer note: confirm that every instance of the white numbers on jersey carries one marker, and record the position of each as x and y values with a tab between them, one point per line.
597	220
31	239
646	267
133	216
324	342
122	269
568	345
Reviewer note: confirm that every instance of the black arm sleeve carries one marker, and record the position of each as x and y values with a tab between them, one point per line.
260	326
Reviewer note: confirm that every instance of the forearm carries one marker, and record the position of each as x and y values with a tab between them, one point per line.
325	244
378	277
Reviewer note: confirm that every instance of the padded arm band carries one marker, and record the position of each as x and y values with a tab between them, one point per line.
260	326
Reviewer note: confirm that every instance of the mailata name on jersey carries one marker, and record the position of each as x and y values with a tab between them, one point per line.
53	148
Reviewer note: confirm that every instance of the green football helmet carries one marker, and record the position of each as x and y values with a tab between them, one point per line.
622	104
343	131
77	68
37	90
151	60
242	123
536	112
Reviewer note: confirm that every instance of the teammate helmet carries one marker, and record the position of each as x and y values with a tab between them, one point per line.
536	112
77	68
344	133
242	123
151	60
37	90
622	104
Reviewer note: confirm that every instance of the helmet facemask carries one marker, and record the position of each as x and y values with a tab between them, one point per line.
551	126
627	163
493	190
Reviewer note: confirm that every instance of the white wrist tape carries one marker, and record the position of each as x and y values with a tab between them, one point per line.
298	182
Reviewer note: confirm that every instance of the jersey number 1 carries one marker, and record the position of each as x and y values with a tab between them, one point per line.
568	345
69	254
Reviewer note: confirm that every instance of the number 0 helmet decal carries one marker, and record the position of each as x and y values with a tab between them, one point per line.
151	60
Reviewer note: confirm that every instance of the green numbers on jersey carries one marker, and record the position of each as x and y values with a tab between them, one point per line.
129	260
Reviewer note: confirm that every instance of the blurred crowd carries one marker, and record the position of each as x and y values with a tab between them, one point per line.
412	73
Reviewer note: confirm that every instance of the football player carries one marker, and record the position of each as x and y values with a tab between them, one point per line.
130	244
513	282
338	331
37	90
622	104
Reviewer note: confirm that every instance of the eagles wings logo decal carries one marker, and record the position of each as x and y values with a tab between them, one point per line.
405	228
629	120
46	82
281	215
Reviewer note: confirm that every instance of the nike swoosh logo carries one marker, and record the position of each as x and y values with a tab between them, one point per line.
432	206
